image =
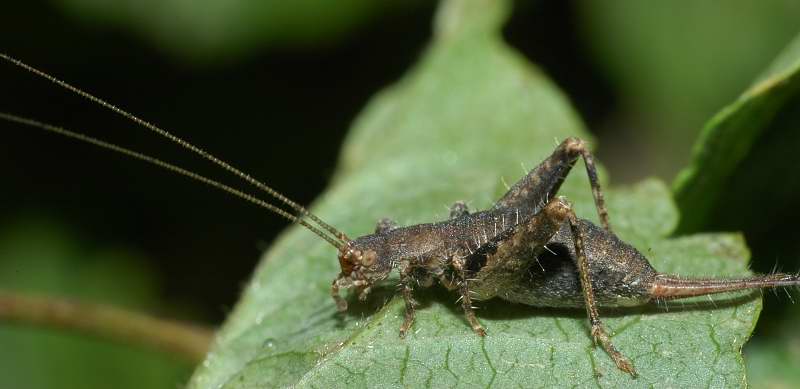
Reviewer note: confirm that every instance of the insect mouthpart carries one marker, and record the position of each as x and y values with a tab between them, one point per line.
360	270
352	259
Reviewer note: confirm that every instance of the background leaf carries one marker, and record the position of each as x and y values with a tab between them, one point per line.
675	64
740	180
732	136
772	360
451	129
210	29
38	257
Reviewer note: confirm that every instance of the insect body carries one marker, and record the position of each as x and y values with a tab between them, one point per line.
456	251
529	248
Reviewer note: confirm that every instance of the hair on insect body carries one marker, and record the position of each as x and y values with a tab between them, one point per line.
529	247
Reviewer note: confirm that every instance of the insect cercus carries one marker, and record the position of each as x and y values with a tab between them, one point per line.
528	248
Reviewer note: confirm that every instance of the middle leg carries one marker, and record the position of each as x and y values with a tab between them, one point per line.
466	297
408	297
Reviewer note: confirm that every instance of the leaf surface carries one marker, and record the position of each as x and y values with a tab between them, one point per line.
458	124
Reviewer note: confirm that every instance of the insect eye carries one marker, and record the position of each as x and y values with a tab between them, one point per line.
347	260
369	258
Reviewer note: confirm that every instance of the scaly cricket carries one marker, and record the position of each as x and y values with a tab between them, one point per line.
528	248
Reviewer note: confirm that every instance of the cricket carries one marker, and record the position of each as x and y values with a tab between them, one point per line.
529	248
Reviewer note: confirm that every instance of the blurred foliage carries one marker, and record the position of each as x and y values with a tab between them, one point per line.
39	257
743	146
675	63
738	181
214	29
772	362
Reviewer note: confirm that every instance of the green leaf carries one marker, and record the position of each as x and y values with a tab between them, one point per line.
452	129
745	144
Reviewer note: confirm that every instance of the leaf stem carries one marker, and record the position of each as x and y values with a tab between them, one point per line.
188	341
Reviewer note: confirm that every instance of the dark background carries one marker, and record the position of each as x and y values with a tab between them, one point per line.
279	110
279	115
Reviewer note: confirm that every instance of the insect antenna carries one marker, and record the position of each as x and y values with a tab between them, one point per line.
334	241
302	211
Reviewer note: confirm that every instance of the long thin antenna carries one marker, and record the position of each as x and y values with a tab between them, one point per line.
173	168
152	127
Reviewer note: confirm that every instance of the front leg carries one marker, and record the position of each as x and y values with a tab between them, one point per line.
341	304
466	298
408	297
597	329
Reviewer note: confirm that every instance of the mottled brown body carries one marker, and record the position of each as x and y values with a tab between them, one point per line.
548	277
529	248
450	251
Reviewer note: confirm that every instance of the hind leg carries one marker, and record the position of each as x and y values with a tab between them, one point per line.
598	331
542	183
509	259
